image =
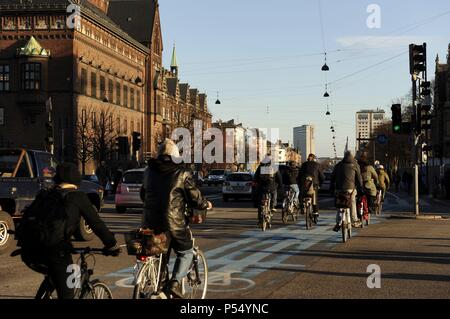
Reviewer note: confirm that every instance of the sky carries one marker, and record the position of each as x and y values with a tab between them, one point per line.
265	57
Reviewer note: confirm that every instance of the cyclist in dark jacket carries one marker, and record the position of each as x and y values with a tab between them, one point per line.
311	169
267	178
290	178
346	177
77	205
169	188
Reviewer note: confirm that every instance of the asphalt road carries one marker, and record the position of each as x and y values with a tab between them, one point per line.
287	261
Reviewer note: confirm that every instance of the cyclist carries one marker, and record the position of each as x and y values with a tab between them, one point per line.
54	260
346	177
311	168
267	178
370	181
290	178
168	188
384	181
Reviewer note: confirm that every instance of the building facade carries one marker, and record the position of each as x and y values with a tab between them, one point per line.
367	122
304	140
98	63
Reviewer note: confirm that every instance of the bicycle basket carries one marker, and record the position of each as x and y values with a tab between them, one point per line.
146	242
343	200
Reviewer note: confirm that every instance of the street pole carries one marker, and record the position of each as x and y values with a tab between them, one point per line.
415	148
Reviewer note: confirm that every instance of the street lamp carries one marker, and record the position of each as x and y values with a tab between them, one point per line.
218	101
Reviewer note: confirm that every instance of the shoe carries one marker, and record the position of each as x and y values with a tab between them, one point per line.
174	288
336	227
356	224
274	210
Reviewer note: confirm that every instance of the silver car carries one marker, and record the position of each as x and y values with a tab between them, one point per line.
237	185
128	190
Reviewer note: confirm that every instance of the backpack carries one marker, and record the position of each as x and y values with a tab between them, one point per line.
44	222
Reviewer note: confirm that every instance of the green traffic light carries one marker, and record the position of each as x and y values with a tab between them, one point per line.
397	128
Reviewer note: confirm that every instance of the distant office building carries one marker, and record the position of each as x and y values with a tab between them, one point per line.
304	140
367	122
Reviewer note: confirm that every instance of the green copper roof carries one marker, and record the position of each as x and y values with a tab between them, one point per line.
174	58
33	48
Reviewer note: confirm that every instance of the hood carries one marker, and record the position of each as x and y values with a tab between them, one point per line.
164	165
348	158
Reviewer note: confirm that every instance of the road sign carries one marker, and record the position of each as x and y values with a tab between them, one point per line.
382	139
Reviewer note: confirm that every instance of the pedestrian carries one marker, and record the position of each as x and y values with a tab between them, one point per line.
102	174
117	179
370	181
384	181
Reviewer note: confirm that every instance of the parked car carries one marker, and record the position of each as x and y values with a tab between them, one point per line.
237	185
216	177
23	173
128	190
91	178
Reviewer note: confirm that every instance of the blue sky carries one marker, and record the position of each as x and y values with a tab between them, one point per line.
261	53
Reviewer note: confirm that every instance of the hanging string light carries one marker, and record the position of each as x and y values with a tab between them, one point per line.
325	67
326	91
218	101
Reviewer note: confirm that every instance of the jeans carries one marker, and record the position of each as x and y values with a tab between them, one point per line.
182	264
353	210
296	191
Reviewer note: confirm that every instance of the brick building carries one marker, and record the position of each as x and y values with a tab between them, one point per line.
99	62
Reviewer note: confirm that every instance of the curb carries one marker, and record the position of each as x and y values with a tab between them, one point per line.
420	217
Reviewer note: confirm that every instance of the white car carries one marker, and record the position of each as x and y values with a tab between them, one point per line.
216	177
237	185
128	190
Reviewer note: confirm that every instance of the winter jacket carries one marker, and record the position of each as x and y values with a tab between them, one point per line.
169	187
346	175
384	180
290	175
370	179
311	169
267	177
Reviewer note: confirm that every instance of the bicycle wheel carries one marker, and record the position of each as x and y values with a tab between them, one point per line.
344	227
284	214
195	284
146	280
101	290
308	217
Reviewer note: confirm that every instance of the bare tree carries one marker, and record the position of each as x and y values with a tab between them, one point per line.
104	136
83	141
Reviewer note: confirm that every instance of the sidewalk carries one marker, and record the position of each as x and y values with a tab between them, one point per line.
414	257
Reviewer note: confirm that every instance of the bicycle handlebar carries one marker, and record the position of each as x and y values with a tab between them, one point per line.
88	250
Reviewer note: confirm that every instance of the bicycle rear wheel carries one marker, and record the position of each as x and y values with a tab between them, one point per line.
308	217
96	290
195	284
146	280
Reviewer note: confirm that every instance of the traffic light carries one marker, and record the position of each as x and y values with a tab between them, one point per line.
396	118
417	58
49	133
136	141
122	145
424	117
425	88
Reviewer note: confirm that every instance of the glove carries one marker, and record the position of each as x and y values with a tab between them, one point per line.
112	251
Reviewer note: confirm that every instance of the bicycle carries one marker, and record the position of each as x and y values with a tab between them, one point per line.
307	203
363	211
266	214
290	207
152	272
346	224
88	289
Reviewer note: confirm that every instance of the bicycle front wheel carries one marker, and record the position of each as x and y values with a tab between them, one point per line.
195	283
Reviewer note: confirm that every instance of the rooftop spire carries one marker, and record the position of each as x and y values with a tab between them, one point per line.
174	63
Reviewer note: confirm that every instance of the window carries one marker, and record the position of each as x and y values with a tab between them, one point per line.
93	84
132	98
57	22
31	76
83	117
83	81
25	23
4	77
102	87
132	126
111	123
110	90
125	127
9	23
118	93
125	96
40	23
118	125
138	100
